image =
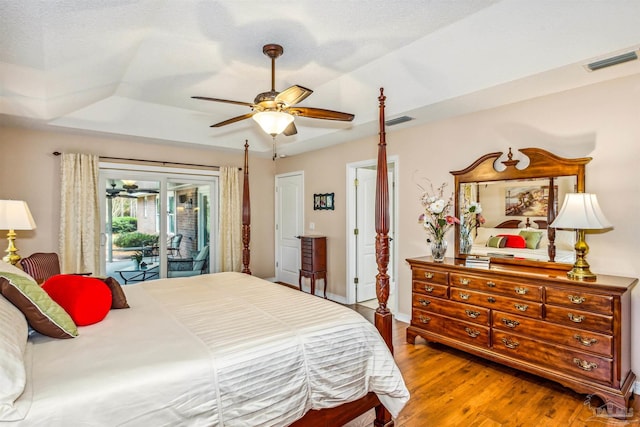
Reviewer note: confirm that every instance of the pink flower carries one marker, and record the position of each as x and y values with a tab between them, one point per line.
452	219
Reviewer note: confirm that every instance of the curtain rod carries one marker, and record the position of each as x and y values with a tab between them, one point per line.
57	153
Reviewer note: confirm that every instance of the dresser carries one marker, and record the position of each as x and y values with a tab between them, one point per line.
313	262
535	320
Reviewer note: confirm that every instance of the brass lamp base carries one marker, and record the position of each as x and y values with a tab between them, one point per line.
580	270
12	256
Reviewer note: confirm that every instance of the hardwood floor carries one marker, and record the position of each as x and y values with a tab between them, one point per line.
452	388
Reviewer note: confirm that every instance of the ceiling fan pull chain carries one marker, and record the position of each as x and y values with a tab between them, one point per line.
275	155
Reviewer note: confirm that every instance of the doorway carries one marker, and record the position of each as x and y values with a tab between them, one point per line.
361	260
289	225
155	222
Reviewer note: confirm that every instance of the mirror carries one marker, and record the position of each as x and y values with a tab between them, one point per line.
505	208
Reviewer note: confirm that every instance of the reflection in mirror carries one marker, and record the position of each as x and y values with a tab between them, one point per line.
509	219
505	207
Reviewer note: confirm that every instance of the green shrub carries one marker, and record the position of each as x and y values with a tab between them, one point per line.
134	240
124	224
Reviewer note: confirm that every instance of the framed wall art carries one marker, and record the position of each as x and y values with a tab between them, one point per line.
323	201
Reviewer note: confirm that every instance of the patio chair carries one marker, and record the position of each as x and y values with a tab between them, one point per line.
173	245
185	267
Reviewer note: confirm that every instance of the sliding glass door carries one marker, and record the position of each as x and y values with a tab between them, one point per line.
157	224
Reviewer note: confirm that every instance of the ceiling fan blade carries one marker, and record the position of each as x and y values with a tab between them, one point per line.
290	130
293	95
319	113
228	101
233	120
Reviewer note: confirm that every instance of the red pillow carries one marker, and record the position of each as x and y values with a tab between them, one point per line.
514	241
86	299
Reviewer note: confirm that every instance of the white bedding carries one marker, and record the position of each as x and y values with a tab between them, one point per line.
223	349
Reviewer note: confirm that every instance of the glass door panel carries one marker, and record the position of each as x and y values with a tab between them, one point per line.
132	229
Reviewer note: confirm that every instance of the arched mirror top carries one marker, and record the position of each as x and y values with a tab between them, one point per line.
516	197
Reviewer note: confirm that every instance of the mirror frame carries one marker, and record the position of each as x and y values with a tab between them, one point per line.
542	164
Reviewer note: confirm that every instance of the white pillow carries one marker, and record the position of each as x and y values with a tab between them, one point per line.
13	342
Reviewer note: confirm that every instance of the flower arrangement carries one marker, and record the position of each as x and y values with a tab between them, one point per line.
470	220
436	219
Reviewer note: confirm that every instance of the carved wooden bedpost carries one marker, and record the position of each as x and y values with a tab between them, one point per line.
246	213
383	317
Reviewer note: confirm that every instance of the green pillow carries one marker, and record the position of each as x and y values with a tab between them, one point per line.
43	314
496	242
532	238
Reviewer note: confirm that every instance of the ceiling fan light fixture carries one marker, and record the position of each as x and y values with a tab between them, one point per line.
273	122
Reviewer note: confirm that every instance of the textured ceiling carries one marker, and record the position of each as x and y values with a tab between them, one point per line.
129	68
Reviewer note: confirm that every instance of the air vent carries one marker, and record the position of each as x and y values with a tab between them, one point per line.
398	120
614	60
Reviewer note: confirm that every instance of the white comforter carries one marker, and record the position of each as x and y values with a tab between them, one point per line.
215	350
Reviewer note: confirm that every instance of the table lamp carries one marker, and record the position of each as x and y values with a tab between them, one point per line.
14	215
580	212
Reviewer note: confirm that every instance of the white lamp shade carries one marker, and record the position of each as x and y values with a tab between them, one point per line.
15	215
273	122
581	211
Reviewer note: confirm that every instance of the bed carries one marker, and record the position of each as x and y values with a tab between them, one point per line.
225	349
501	241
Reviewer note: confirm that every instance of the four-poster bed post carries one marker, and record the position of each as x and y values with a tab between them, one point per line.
246	213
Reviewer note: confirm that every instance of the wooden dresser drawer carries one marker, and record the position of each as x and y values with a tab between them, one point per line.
582	340
427	321
430	289
579	319
582	364
580	300
469	333
497	302
504	287
430	276
457	310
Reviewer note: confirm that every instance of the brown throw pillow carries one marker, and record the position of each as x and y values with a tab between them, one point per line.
118	300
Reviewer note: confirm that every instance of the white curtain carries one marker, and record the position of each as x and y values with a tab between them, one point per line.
230	219
79	214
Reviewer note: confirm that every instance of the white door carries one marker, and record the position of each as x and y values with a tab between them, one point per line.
289	225
367	268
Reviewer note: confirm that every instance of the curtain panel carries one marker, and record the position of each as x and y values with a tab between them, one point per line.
230	219
79	214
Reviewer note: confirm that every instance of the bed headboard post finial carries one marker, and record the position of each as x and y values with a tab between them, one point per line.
383	316
246	213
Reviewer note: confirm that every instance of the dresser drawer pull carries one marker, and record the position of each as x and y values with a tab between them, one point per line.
428	275
424	302
464	296
428	288
587	342
473	333
510	323
576	299
464	281
510	343
491	284
472	314
521	291
424	319
521	307
584	364
574	318
491	300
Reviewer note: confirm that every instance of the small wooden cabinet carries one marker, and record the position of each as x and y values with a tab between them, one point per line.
536	320
313	262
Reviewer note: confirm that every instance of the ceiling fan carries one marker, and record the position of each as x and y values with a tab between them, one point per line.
275	111
129	190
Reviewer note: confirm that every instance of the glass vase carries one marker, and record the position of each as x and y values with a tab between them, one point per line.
466	242
438	250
